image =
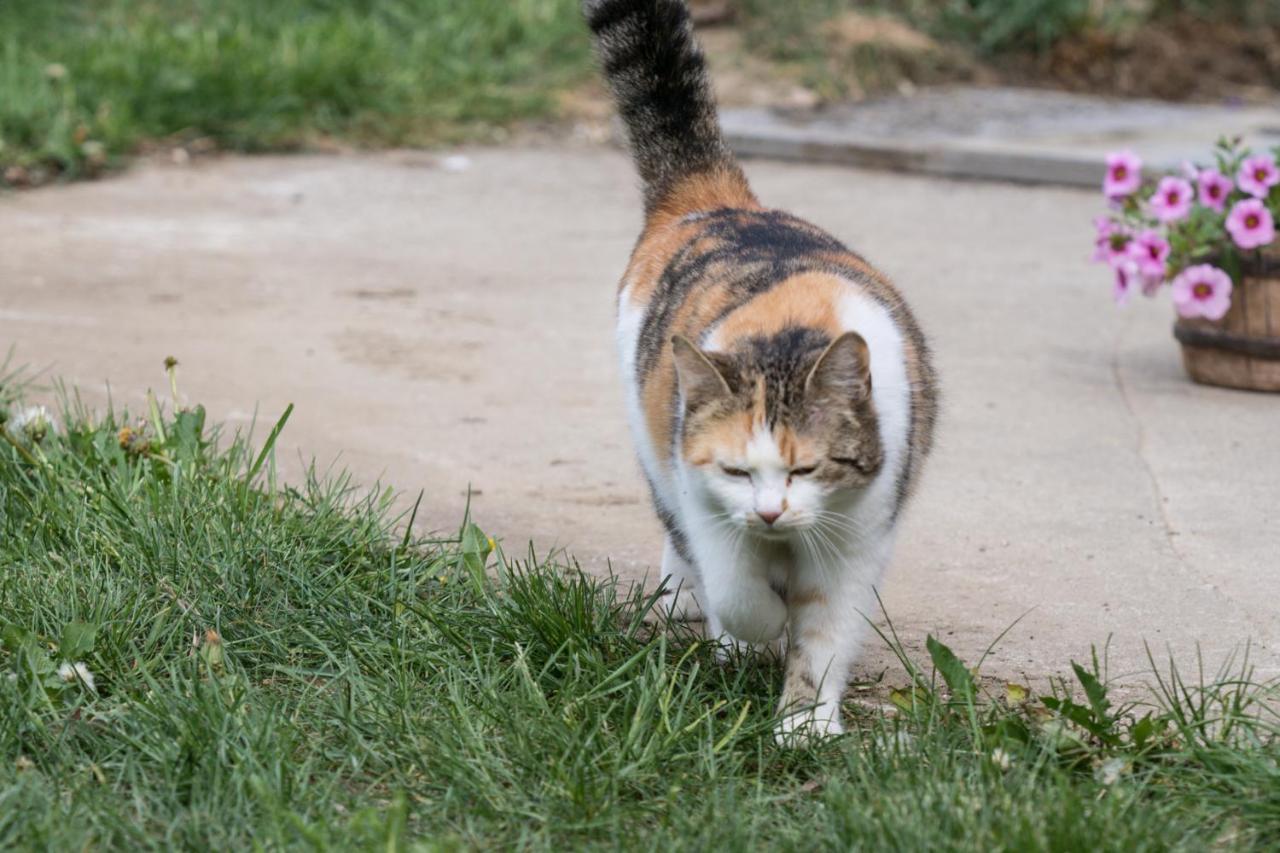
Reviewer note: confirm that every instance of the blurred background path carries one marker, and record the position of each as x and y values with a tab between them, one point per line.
446	324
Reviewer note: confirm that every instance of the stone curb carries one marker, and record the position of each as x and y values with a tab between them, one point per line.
958	159
1013	143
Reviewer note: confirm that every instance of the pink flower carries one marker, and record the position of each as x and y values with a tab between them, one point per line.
1124	174
1150	251
1202	291
1127	275
1172	199
1250	224
1214	189
1258	175
1111	241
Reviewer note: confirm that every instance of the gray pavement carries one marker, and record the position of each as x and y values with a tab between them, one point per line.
441	329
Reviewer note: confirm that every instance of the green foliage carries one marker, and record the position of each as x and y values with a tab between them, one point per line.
958	679
994	26
83	83
292	666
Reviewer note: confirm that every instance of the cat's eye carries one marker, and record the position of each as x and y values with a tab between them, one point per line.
735	472
803	472
856	464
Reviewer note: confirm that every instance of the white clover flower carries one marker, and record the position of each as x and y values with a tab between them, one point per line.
77	672
1111	770
31	424
1001	759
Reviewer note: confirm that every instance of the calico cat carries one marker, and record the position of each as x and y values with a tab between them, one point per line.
780	392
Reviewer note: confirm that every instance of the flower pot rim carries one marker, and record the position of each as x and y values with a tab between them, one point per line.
1210	337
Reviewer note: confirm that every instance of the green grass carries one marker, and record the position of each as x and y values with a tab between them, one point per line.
83	83
285	666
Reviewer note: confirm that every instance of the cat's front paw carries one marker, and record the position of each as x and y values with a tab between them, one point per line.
798	728
727	648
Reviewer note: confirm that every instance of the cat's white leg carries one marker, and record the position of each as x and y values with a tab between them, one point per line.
716	632
739	599
828	600
683	596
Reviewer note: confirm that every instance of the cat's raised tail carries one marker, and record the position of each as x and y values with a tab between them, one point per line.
658	76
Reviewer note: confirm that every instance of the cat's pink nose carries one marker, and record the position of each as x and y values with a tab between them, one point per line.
768	517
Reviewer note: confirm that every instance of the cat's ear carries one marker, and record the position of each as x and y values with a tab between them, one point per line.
842	372
701	379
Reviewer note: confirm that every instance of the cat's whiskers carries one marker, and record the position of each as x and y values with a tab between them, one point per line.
816	550
829	566
843	523
803	542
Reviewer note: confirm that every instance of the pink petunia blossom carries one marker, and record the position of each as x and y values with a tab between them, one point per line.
1214	189
1250	224
1111	241
1202	291
1258	175
1127	277
1151	251
1124	174
1172	199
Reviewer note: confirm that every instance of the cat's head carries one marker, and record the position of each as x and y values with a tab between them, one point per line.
778	429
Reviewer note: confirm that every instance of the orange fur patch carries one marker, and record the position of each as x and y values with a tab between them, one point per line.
666	231
809	299
804	598
724	187
788	444
729	435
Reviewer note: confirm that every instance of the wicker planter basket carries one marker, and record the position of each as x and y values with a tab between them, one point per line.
1242	350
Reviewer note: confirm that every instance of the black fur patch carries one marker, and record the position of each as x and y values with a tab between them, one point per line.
671	524
783	361
659	79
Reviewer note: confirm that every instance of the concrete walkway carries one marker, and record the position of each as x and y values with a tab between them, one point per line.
443	329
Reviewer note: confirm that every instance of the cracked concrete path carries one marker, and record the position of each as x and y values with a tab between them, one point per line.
441	329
